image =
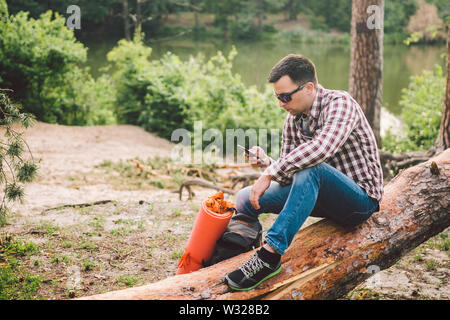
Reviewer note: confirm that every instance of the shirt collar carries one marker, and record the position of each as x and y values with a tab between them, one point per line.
315	108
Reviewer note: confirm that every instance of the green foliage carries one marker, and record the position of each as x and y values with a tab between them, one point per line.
127	280
233	17
326	15
244	27
413	38
169	93
37	55
39	60
337	14
14	168
80	100
93	11
422	105
106	15
131	61
318	23
397	14
3	10
98	96
302	35
269	28
443	7
323	15
15	282
18	248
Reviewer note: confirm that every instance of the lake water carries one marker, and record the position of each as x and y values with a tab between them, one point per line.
255	59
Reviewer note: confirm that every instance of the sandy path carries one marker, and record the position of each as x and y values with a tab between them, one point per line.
65	150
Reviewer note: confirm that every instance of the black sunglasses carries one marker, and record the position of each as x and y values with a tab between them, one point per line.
286	97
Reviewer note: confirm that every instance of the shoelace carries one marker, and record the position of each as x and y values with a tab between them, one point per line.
252	266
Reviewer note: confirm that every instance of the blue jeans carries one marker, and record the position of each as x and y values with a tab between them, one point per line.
319	191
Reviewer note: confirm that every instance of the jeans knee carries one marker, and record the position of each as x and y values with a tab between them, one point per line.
303	173
242	199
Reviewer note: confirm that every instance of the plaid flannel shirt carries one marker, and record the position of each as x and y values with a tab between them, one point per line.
340	136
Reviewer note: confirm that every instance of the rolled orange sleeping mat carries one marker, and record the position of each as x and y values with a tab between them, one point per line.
208	228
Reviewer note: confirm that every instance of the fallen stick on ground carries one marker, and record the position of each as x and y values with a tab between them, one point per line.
325	261
202	183
236	165
77	205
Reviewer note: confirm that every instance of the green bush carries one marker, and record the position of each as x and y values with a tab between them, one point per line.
133	70
243	27
81	100
36	55
302	35
397	14
168	94
421	105
269	28
319	23
40	61
3	10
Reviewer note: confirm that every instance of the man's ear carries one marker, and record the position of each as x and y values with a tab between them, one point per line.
310	87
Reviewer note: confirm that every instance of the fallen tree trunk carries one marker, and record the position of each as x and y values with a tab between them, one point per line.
325	261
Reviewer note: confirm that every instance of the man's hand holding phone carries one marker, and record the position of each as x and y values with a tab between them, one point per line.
256	156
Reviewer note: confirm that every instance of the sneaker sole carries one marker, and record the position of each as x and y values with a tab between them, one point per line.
233	285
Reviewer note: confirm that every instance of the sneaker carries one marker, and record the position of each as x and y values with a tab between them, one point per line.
251	274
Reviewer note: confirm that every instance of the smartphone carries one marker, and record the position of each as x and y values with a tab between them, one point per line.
248	152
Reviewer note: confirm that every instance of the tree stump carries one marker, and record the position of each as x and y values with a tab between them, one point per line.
325	261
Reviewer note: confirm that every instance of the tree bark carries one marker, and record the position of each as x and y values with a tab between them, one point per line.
126	22
325	261
259	13
366	59
138	15
290	10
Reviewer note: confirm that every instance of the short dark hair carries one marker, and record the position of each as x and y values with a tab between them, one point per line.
299	68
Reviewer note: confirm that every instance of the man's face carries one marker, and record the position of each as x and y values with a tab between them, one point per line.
301	101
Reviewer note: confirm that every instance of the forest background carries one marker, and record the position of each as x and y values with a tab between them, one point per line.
163	65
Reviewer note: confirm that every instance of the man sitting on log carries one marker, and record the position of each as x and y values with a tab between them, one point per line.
329	167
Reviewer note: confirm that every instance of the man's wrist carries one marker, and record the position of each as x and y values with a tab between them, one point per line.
265	175
264	179
267	161
270	170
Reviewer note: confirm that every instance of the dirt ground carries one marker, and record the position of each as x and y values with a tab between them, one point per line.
136	235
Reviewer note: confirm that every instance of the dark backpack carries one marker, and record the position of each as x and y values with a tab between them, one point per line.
242	234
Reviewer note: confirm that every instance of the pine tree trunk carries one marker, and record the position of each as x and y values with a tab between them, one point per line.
291	12
138	15
366	59
126	23
326	261
197	24
259	14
